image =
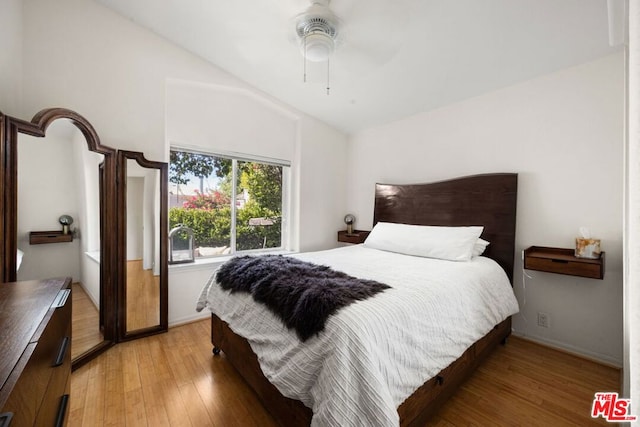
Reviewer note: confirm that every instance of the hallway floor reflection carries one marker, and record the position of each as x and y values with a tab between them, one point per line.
85	330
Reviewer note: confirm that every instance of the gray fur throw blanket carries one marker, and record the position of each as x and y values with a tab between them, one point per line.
303	295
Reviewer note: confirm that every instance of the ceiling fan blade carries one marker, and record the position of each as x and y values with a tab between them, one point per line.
373	31
268	36
266	46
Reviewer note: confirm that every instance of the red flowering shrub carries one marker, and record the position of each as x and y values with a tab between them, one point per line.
210	201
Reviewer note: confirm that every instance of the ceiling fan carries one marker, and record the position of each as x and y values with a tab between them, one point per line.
317	29
355	36
355	41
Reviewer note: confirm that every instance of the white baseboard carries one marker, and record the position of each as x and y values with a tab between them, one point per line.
189	319
95	303
576	351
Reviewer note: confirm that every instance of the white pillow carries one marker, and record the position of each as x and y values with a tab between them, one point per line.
449	243
479	247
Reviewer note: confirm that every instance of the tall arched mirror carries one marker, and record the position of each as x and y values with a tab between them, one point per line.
58	200
142	245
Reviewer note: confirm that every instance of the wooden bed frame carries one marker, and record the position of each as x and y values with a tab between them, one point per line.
488	200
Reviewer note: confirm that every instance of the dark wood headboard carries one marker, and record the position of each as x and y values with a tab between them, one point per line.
488	200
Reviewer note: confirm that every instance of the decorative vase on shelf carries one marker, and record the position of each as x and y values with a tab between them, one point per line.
349	219
66	222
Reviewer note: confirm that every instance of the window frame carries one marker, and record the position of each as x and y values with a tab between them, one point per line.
285	243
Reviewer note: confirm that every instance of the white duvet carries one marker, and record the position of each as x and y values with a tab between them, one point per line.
375	353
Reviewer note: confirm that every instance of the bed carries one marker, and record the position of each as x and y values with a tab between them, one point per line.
488	200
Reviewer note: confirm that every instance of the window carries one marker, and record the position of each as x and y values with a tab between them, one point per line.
230	203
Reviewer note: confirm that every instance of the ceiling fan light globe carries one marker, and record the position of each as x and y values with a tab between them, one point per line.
318	47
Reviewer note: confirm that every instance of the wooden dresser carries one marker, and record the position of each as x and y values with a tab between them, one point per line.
35	352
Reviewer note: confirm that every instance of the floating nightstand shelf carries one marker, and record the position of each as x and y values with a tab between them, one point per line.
40	237
563	261
358	236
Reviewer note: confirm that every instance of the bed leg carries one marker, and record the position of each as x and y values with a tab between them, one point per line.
216	350
504	340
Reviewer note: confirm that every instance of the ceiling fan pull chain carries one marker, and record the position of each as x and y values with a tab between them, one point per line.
304	71
328	76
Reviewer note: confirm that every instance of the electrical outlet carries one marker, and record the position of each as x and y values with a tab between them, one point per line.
544	320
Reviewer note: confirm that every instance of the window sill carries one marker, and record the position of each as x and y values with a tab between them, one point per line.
93	255
199	264
213	262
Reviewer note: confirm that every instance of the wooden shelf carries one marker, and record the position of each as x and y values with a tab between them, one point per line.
563	261
40	237
358	236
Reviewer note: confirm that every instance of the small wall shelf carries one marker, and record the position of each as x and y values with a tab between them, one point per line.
40	237
563	261
358	236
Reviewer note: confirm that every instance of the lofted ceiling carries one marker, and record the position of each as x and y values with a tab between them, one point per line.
395	58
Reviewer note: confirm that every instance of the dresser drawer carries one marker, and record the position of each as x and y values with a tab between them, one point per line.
56	401
25	400
48	367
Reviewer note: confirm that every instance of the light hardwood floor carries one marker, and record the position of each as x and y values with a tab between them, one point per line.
85	325
143	297
173	380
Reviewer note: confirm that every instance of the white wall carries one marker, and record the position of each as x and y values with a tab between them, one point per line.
563	134
228	119
87	188
322	179
79	55
135	220
151	221
11	58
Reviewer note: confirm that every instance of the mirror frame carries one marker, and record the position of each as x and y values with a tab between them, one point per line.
10	128
123	156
